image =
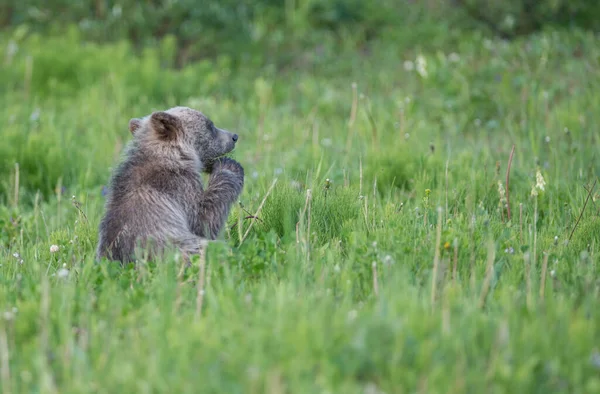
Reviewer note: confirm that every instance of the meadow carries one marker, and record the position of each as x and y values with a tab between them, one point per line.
419	216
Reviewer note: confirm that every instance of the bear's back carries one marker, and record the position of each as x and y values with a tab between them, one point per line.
148	200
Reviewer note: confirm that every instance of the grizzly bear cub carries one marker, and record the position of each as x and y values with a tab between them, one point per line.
156	197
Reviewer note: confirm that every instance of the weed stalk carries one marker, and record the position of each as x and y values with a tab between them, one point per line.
436	259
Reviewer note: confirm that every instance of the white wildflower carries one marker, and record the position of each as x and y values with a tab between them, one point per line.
11	49
534	191
422	66
502	193
540	183
54	248
408	65
62	273
509	21
371	388
35	115
352	315
117	11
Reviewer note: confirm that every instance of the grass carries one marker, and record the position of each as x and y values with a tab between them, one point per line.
399	271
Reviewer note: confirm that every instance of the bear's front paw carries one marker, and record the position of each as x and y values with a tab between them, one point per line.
226	163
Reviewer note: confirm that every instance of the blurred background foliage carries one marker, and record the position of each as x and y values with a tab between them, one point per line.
243	29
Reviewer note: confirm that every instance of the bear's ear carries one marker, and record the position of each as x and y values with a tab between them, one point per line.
134	125
165	125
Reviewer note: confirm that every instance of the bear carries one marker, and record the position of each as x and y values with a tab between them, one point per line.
156	198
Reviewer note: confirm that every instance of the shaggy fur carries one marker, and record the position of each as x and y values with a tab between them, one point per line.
156	197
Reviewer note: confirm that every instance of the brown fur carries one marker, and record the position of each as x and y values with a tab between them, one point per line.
156	197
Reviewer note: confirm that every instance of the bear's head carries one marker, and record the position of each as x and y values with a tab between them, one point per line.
185	129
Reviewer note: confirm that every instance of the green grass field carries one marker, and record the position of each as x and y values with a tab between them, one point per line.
386	257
